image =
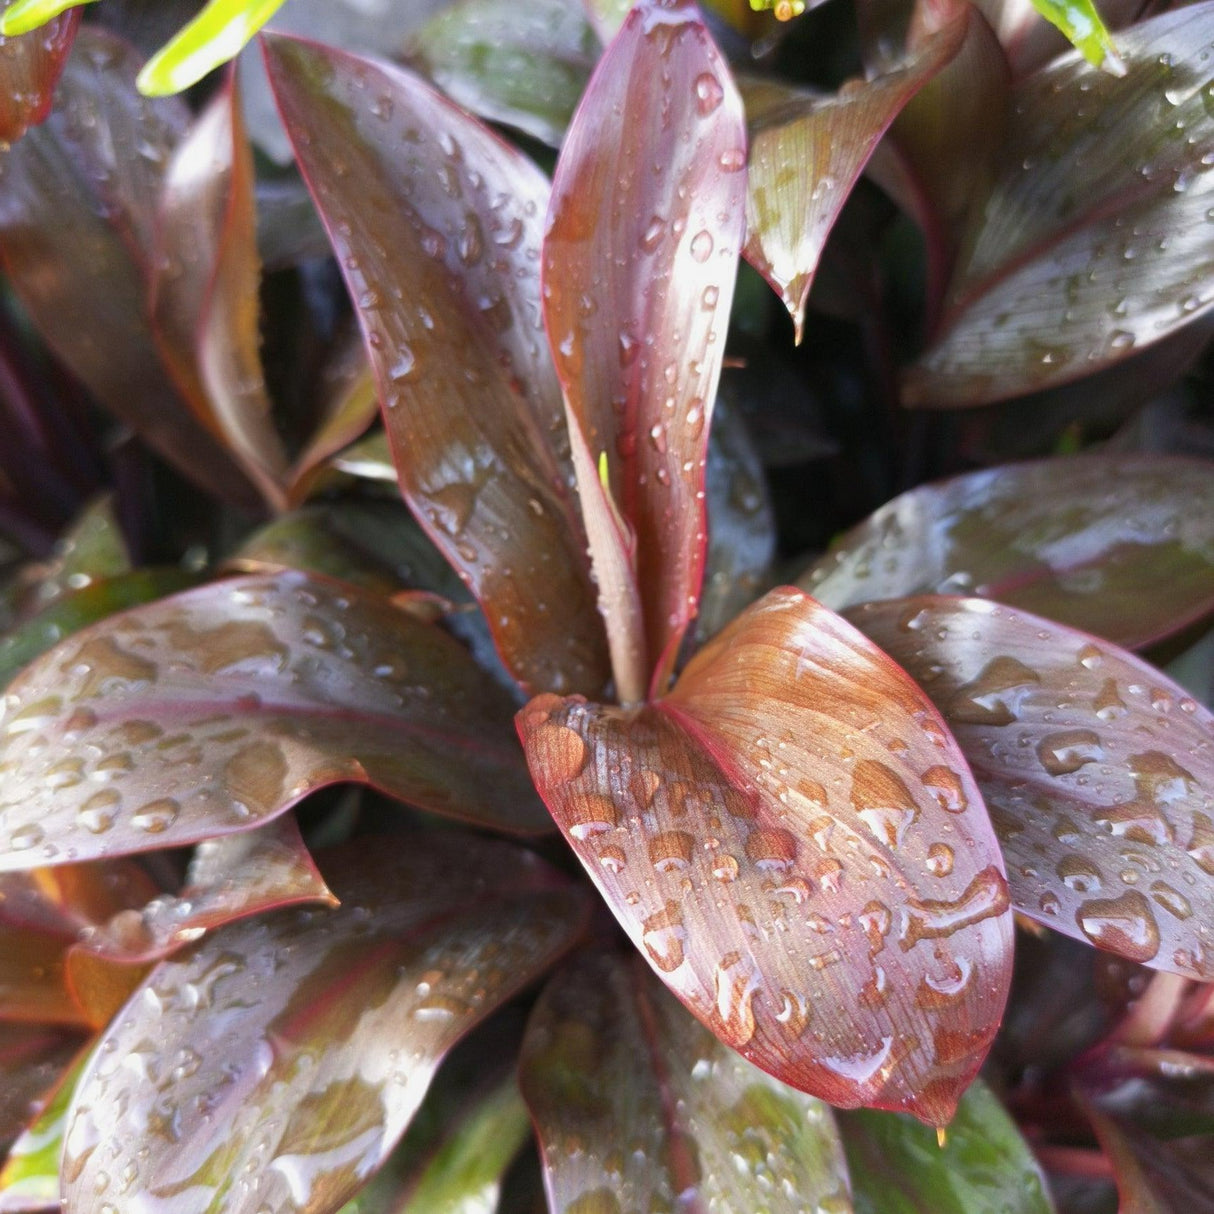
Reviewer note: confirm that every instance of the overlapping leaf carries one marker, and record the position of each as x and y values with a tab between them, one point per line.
279	1062
1097	769
32	1057
797	847
1091	542
208	713
29	68
644	229
638	1107
1095	238
437	225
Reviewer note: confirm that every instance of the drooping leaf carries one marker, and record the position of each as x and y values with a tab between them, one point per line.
210	712
525	67
611	1059
1094	239
1089	542
77	233
29	70
1081	23
299	1045
1095	766
640	255
898	1167
806	154
205	289
438	247
797	847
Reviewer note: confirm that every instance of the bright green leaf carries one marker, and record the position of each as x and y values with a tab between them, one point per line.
25	15
1081	23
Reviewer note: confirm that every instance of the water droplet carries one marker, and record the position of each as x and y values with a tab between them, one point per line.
1124	925
736	980
984	897
652	236
701	246
709	93
945	785
940	859
27	836
671	851
882	801
156	816
995	696
1172	900
663	935
771	849
1068	750
591	815
1078	874
563	749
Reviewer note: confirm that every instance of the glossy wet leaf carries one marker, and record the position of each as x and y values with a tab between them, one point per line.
639	1107
640	255
298	1046
1081	23
1089	542
795	844
1094	239
1097	770
77	231
525	66
210	712
806	154
438	247
898	1167
92	548
29	68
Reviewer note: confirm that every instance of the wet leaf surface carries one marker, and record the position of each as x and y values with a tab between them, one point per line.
29	68
213	711
438	247
1097	769
639	1107
278	1063
1094	240
897	1166
1088	542
639	270
797	848
525	67
77	230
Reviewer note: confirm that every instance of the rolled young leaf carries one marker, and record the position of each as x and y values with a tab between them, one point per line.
1097	769
795	844
29	69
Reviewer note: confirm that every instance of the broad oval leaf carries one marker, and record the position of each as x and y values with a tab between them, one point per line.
29	69
438	246
278	1064
1088	541
644	228
983	1165
1097	769
797	847
208	713
1095	238
611	1059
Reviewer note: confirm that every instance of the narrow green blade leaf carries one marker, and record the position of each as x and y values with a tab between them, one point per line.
22	16
1081	23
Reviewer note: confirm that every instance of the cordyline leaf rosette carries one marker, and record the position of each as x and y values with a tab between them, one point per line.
29	68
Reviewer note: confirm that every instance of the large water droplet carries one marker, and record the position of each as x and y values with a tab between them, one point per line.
1124	925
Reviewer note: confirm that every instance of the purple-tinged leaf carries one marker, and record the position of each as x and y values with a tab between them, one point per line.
1090	541
438	243
644	228
29	68
213	711
77	225
795	844
299	1045
611	1058
32	1057
1097	769
806	154
1136	1167
1094	239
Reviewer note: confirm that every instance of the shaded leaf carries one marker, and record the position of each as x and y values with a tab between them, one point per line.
639	272
92	548
610	1058
1087	542
898	1167
210	712
1081	23
317	1034
1137	1167
369	458
1095	766
77	231
32	1057
29	69
526	66
797	847
1094	240
438	249
33	986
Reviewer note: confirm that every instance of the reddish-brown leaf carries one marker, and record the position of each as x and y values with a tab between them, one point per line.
437	225
1097	769
644	229
610	1057
31	1059
1092	542
29	68
796	845
278	1063
210	712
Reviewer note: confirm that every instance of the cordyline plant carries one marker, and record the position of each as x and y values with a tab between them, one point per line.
233	953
